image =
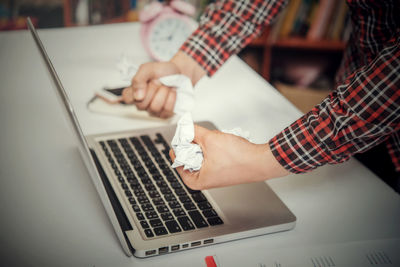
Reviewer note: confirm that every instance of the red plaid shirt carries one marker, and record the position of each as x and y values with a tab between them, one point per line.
364	108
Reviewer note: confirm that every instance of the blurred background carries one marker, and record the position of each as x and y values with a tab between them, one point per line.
299	54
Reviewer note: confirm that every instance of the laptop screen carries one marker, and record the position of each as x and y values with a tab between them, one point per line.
66	104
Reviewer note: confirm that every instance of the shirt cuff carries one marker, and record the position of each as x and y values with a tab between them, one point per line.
298	150
206	50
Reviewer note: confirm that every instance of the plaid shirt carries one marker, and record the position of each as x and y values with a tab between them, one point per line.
364	108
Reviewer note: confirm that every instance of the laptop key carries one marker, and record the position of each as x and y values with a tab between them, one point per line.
209	213
173	227
161	183
185	199
154	194
180	192
155	223
215	221
160	231
204	205
147	207
174	204
165	191
151	215
146	180
189	206
134	183
136	208
197	219
132	200
170	198
139	216
120	178
143	200
198	197
185	223
176	185
148	233
139	192
162	209
150	187
158	201
167	216
178	212
144	224
157	178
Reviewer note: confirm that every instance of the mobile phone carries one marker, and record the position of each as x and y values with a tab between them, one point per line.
111	95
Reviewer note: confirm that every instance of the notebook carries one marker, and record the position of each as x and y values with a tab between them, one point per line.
151	209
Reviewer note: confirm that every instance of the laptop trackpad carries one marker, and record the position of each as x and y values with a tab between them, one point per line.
250	205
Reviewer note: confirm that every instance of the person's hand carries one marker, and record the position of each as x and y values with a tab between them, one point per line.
229	160
147	92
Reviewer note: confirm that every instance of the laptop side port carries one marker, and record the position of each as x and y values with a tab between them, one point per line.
208	241
163	250
185	245
195	244
150	252
174	247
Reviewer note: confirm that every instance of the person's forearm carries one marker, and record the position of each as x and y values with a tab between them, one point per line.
188	66
267	165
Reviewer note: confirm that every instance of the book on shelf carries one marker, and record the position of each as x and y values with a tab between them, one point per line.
322	18
338	24
289	19
312	20
301	24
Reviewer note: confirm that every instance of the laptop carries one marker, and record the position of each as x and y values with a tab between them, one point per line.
152	211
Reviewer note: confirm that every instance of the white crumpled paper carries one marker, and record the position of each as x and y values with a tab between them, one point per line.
184	89
188	154
184	92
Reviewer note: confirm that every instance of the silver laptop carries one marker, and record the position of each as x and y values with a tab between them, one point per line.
151	209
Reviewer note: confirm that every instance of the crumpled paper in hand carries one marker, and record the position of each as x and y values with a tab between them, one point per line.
184	89
184	92
188	154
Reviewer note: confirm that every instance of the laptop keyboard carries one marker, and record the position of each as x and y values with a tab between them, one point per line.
162	203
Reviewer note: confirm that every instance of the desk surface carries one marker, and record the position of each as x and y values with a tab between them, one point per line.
50	212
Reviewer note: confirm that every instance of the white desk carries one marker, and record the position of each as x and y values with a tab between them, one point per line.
50	212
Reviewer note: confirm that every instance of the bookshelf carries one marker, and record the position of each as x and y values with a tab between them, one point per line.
301	52
315	28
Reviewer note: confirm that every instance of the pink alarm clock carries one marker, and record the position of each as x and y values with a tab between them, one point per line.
165	27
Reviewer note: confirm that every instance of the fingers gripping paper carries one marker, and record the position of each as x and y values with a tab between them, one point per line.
188	154
184	89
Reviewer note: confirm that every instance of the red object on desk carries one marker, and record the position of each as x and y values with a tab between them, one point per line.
210	262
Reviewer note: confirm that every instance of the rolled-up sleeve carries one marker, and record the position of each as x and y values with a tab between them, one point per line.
226	27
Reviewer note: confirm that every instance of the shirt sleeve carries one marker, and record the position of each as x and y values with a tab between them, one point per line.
226	27
361	113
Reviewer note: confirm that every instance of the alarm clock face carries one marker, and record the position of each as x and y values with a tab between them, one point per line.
167	35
